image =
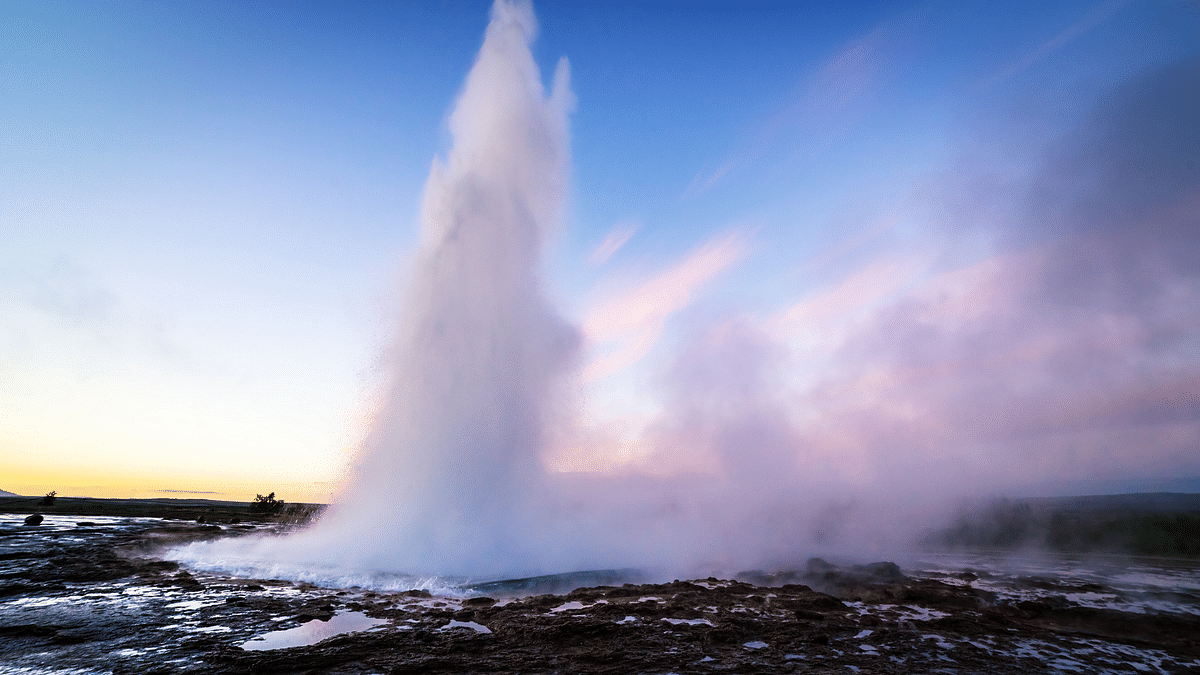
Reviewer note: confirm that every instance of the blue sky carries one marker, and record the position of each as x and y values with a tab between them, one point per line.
205	211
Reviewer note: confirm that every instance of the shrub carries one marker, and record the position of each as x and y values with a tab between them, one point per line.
48	500
266	504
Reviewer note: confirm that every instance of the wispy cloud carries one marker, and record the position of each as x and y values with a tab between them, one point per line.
834	85
628	325
847	76
1094	18
612	243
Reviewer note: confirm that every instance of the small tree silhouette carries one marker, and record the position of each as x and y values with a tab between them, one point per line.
48	500
266	504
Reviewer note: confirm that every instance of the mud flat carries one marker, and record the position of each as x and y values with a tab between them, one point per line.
94	596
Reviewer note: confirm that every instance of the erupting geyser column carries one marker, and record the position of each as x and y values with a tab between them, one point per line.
443	480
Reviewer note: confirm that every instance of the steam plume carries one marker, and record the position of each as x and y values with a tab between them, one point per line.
446	472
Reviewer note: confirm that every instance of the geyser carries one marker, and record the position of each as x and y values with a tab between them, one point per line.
445	476
451	480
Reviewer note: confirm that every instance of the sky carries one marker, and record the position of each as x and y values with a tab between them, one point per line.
893	243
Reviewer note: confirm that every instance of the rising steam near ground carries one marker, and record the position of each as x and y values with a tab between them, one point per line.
1067	349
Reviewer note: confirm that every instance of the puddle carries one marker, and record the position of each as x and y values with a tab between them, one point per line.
313	632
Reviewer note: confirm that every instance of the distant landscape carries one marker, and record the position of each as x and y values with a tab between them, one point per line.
210	510
1154	524
1151	524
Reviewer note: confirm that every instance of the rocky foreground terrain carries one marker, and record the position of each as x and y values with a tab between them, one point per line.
82	596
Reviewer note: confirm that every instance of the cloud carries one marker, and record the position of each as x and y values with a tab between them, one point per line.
857	293
628	325
66	310
848	76
612	243
828	93
1097	16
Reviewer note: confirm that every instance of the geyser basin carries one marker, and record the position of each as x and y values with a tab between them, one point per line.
72	604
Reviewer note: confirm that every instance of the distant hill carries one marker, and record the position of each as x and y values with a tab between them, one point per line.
5	493
1156	523
1157	502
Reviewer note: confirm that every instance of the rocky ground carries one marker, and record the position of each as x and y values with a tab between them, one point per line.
94	597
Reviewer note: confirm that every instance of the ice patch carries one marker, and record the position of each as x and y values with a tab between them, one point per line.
478	628
574	604
690	622
313	632
757	644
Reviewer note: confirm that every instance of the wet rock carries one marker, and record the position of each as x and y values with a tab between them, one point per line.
184	581
889	571
35	519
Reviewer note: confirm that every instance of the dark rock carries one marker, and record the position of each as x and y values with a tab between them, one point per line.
884	570
35	519
817	567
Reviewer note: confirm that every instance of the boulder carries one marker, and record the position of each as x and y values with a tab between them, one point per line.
35	519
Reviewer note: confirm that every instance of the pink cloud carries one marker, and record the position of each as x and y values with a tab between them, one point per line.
612	243
628	325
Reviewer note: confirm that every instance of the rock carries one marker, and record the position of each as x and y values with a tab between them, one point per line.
884	570
35	519
817	567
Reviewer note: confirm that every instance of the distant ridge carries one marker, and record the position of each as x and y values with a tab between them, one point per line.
1154	523
1161	502
6	493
